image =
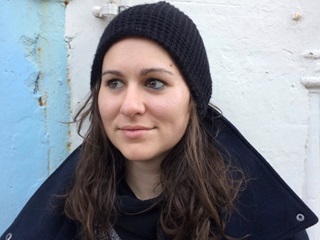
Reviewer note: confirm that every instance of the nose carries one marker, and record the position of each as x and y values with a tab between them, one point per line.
132	102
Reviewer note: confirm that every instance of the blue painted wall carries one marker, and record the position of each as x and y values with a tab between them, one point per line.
34	99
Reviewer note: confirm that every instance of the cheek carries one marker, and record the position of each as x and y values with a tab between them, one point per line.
183	112
176	112
181	105
106	118
102	107
106	109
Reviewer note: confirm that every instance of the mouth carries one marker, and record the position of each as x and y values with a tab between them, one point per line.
134	132
134	128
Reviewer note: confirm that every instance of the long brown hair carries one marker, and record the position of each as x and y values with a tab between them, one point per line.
199	191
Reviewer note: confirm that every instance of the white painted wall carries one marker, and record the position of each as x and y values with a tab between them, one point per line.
259	53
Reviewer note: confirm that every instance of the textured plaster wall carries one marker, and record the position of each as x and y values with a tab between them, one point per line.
34	99
257	52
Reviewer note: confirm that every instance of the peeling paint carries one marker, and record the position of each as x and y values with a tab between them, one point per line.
296	17
36	84
314	54
34	100
29	44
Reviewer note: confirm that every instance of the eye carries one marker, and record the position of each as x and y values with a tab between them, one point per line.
155	84
114	84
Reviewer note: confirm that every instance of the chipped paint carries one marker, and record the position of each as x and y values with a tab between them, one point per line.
296	17
34	97
314	54
54	91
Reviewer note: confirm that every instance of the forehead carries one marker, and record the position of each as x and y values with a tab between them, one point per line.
139	44
137	50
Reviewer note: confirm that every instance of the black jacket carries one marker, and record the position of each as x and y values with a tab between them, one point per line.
268	209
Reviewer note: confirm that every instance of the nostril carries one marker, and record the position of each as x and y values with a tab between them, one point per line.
131	108
133	102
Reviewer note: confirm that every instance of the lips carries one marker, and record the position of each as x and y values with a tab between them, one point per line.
134	132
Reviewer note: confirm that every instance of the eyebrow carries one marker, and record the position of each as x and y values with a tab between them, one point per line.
143	72
113	72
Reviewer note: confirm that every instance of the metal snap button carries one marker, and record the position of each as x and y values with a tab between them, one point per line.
9	236
300	217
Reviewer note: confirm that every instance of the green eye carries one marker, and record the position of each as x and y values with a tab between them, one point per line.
115	84
155	84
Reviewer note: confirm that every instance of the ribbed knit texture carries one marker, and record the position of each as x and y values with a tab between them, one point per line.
174	31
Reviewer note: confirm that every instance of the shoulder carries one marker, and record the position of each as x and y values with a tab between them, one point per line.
267	208
42	217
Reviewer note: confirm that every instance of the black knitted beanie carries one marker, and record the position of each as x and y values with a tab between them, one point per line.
175	32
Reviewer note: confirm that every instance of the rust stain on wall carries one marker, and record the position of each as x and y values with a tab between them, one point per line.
69	146
39	51
42	100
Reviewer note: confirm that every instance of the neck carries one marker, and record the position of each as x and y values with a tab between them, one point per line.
144	180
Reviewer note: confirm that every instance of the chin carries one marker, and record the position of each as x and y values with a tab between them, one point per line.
143	158
137	158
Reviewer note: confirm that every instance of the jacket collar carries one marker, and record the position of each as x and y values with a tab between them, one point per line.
267	208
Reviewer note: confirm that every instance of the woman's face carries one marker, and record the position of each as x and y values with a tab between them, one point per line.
143	100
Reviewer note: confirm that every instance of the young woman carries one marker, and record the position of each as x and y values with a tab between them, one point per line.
158	162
